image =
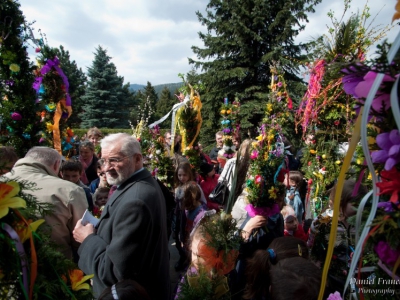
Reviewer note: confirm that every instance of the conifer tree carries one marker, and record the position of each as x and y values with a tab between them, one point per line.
105	104
17	100
164	105
243	38
150	93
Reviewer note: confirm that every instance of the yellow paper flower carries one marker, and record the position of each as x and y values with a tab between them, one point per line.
269	107
228	111
223	111
313	151
49	127
259	138
78	280
7	197
24	232
51	106
272	192
14	68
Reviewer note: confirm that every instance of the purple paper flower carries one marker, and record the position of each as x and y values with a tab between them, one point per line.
353	78
41	140
387	206
389	142
386	254
279	84
279	99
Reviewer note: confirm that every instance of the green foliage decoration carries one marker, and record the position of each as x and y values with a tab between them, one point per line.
54	278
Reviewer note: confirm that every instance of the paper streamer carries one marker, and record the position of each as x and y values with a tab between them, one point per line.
368	103
21	251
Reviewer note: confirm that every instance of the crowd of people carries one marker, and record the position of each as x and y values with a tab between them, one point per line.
280	256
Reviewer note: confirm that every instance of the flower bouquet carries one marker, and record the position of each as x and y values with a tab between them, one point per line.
265	184
161	162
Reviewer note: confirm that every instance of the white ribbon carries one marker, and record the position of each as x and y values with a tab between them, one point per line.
173	110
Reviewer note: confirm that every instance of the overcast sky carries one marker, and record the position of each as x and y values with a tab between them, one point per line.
150	40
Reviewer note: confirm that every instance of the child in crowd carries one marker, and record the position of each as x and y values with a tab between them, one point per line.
94	135
295	278
293	194
183	175
100	199
126	289
291	225
71	170
193	206
101	181
259	265
88	160
344	245
8	157
210	180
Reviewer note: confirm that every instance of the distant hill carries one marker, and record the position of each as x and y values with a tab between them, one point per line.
158	88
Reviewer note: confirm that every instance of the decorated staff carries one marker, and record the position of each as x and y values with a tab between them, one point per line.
188	121
53	103
230	127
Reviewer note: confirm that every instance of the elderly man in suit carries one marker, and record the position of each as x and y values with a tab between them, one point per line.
130	240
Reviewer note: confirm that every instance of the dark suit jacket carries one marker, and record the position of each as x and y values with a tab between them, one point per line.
131	239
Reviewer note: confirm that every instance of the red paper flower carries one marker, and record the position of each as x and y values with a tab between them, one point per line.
258	179
390	184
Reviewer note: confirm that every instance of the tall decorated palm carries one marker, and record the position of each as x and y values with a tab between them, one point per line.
18	122
325	111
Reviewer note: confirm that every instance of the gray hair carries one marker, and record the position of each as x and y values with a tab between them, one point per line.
86	144
129	145
45	155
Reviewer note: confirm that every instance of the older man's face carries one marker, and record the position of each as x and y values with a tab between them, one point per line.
118	167
219	140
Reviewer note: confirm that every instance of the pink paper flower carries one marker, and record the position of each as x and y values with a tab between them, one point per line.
16	116
254	154
386	254
262	211
389	142
363	88
334	296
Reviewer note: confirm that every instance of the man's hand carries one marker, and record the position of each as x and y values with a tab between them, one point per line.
81	232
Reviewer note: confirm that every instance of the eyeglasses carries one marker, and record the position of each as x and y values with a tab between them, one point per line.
113	160
102	174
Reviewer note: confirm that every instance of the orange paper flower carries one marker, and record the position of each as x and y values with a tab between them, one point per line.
219	261
8	191
78	280
396	15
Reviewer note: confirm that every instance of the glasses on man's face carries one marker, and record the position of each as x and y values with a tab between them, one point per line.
102	174
113	161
